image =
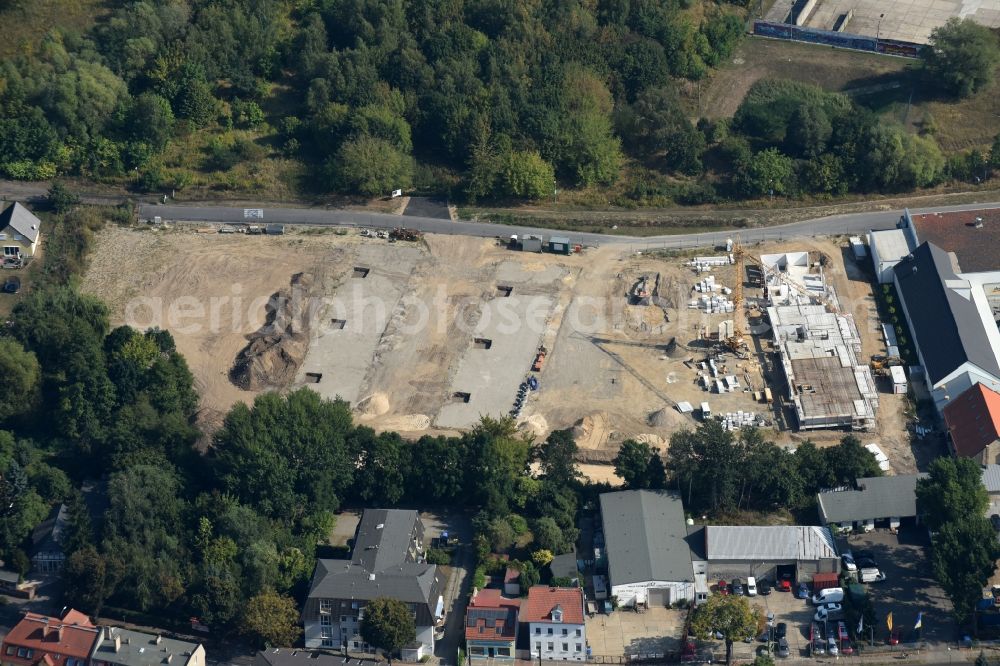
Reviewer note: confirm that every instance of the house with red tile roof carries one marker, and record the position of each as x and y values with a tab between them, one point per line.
554	617
40	640
491	626
973	421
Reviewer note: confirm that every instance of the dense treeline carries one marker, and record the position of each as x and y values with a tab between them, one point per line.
722	472
506	96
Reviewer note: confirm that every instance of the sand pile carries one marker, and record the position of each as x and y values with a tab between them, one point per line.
535	425
276	350
652	439
592	431
374	405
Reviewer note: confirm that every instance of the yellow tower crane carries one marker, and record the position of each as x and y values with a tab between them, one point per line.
737	342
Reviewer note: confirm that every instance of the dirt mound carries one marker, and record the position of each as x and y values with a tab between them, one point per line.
276	350
535	425
652	439
376	404
592	431
661	418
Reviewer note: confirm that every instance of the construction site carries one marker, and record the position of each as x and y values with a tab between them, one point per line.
428	334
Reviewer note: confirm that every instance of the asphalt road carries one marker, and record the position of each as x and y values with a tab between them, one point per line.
855	223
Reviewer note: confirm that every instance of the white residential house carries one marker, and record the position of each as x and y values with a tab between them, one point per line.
554	617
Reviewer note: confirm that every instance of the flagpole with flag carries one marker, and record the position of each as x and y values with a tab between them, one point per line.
888	622
919	624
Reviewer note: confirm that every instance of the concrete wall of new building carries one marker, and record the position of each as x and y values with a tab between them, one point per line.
634	593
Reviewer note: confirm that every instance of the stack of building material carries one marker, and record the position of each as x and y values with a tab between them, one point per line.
883	460
738	420
705	264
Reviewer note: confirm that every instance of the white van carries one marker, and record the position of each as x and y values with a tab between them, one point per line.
751	586
831	595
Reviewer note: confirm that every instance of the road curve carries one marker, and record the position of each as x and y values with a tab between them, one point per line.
855	223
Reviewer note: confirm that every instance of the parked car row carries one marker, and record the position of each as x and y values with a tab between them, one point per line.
834	642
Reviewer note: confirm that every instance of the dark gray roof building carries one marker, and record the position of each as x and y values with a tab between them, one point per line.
876	498
946	326
124	647
565	566
299	657
645	532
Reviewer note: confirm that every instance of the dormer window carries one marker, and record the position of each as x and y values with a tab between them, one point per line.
557	614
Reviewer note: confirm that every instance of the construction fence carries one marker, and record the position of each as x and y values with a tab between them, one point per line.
841	40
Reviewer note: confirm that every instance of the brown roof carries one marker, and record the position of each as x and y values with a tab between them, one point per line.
973	419
52	639
491	616
543	599
956	232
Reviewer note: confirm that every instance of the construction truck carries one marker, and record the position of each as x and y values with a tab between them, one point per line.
881	363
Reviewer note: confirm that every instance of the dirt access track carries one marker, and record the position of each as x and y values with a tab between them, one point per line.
425	337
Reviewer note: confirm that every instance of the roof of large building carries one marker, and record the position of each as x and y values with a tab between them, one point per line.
877	497
491	615
298	657
645	535
542	600
780	542
973	420
384	562
73	635
134	648
956	232
21	220
946	325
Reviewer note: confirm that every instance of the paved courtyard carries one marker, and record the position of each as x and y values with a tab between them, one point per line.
655	631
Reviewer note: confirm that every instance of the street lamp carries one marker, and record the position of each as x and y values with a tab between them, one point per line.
878	30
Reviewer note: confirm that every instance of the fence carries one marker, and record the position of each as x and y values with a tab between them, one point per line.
843	40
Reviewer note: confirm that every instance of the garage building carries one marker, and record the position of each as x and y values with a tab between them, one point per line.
649	560
767	552
879	501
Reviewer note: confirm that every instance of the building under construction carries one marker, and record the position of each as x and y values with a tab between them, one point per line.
819	352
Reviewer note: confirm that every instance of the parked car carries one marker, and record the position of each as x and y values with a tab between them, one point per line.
12	285
848	561
831	595
816	643
780	630
866	563
737	587
831	647
763	587
782	650
828	612
803	591
894	637
751	586
723	587
844	639
785	583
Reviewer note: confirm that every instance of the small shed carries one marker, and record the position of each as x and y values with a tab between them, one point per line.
858	247
531	243
559	245
275	229
898	379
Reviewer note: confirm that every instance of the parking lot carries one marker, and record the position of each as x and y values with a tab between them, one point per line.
909	587
654	631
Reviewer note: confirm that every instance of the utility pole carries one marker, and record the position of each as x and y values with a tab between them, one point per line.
878	30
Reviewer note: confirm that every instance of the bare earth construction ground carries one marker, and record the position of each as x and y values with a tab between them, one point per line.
426	337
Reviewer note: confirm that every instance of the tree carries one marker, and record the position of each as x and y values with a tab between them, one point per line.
86	582
542	557
19	378
526	175
272	620
995	152
371	166
953	490
766	171
809	129
633	464
729	615
150	120
558	458
388	625
961	56
61	199
964	554
850	461
548	535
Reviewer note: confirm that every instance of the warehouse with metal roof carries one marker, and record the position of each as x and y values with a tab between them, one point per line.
878	501
649	560
768	552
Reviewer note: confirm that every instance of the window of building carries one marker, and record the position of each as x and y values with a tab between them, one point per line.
579	632
11	251
550	631
31	653
354	605
325	605
343	618
565	632
10	649
579	647
565	647
478	651
22	652
325	620
328	642
325	632
503	652
538	630
552	647
355	645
